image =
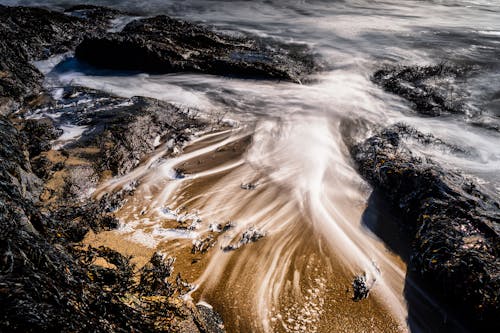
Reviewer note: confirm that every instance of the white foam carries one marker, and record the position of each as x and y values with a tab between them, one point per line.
70	133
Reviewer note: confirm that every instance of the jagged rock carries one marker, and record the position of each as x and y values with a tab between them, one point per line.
34	34
39	134
119	132
454	223
211	320
203	245
251	235
14	163
432	89
50	284
163	45
360	288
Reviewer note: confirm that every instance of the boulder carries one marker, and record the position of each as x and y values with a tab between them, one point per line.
454	223
163	45
433	90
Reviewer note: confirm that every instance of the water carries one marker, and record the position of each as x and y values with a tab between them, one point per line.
290	141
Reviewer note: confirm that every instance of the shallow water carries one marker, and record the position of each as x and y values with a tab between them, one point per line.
317	213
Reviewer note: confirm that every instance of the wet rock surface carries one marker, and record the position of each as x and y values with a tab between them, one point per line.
251	235
454	223
433	90
48	282
32	34
360	288
53	155
103	136
163	45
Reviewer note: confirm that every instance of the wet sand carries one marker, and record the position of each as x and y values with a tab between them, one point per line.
292	280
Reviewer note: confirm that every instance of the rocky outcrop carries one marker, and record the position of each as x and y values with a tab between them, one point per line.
433	90
33	34
48	282
455	225
163	45
115	135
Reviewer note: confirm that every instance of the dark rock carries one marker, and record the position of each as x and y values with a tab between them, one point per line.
50	284
164	45
39	134
14	163
250	235
360	288
211	319
248	186
434	90
454	223
203	245
33	34
42	167
126	133
120	131
227	226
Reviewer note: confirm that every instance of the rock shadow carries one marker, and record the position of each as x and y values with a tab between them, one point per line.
426	312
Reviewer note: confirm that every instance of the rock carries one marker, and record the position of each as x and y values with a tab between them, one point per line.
42	167
454	223
433	90
248	186
33	34
119	132
116	134
250	235
39	134
203	245
360	288
15	166
48	283
212	320
163	45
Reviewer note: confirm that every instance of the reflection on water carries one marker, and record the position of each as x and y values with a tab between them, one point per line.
289	141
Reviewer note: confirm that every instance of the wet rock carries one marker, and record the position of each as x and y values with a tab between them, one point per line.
127	132
80	182
360	288
203	245
48	283
118	132
14	163
39	134
33	34
42	167
454	223
221	228
212	320
163	45
179	174
433	90
249	236
248	186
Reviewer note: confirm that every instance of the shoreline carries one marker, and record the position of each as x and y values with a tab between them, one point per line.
267	220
